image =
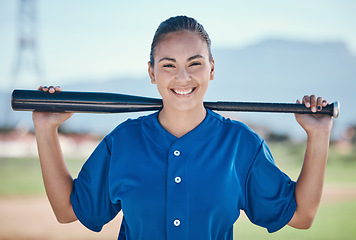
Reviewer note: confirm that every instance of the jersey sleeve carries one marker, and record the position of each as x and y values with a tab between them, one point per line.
90	196
270	200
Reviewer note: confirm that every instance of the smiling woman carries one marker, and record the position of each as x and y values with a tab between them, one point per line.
183	172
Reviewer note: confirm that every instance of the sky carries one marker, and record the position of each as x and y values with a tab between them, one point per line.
86	39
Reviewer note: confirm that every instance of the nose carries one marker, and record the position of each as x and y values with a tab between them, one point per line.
183	75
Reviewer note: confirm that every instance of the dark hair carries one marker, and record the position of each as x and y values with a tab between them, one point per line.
177	24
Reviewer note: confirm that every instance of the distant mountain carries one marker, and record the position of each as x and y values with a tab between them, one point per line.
273	70
282	71
286	68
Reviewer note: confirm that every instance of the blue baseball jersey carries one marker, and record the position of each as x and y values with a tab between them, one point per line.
192	187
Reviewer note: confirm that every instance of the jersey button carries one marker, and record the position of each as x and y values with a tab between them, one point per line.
176	153
177	179
176	222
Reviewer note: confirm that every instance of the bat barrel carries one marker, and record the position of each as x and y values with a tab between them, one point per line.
84	102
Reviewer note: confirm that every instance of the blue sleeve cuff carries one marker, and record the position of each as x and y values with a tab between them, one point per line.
76	209
289	214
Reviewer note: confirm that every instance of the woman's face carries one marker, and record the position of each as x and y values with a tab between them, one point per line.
182	70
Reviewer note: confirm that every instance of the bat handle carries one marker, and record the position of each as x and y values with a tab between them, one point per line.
332	109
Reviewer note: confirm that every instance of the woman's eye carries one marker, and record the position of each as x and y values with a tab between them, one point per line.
195	64
168	66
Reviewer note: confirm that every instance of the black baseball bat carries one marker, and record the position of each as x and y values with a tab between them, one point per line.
100	102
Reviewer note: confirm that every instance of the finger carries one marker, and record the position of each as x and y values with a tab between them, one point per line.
319	102
40	88
313	103
298	101
58	88
45	88
325	103
306	101
51	89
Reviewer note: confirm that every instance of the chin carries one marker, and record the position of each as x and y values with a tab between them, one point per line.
188	107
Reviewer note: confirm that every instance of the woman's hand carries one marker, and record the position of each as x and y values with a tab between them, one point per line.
314	123
47	119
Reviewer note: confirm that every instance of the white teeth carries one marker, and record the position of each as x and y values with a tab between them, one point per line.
183	92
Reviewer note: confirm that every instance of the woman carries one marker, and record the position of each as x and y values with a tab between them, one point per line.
183	172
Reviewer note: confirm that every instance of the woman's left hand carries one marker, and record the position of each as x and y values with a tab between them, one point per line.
314	123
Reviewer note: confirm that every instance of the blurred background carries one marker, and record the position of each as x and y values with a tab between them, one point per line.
271	51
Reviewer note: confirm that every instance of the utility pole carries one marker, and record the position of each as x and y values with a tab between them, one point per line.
26	71
27	68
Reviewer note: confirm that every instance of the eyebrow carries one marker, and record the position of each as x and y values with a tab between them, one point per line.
168	59
195	57
189	59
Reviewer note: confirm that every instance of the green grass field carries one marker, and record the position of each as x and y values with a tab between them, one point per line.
335	219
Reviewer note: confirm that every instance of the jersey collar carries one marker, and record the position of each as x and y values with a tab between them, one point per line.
161	137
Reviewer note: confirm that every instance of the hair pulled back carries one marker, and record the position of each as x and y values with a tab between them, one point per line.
177	24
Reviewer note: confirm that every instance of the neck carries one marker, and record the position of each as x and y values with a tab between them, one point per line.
179	123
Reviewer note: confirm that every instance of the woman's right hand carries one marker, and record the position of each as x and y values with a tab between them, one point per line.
46	120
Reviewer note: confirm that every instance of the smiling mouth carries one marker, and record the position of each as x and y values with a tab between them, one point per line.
183	92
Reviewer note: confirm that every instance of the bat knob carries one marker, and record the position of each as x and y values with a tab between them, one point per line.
336	109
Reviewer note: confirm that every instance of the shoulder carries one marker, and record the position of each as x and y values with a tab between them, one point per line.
235	127
129	127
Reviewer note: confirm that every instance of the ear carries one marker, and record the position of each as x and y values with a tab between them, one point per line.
151	73
212	71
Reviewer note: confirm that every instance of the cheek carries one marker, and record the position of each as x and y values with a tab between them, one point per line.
162	82
163	77
201	73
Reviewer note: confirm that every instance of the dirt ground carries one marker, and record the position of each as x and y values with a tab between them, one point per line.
30	218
